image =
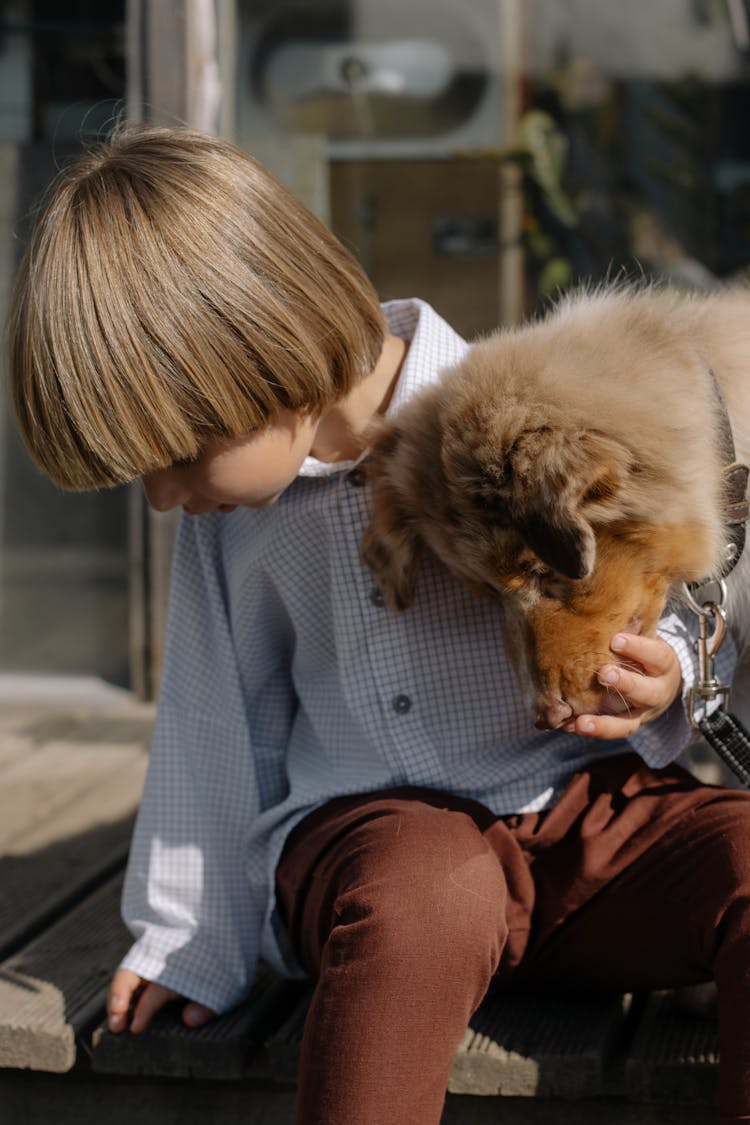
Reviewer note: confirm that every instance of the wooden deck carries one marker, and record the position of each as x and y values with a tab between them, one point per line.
70	780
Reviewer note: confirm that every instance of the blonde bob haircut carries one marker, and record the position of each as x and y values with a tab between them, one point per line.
173	291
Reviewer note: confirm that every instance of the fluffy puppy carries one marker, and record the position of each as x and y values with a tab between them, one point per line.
575	468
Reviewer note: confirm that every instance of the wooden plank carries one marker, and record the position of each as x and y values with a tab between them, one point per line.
547	1046
69	826
219	1050
27	726
56	986
467	1110
515	1046
51	758
279	1059
12	747
131	726
54	782
674	1056
83	1098
86	1099
70	781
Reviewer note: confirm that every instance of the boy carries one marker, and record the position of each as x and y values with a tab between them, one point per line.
348	793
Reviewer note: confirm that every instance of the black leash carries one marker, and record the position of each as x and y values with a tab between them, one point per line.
722	731
730	739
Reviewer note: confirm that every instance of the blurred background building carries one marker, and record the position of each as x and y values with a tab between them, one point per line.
481	154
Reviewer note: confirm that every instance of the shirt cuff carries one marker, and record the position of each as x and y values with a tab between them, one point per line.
190	971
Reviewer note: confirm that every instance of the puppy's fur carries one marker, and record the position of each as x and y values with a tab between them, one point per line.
573	468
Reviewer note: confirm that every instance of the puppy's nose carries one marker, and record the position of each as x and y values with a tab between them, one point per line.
552	713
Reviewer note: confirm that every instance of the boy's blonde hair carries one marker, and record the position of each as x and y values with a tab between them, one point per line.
173	291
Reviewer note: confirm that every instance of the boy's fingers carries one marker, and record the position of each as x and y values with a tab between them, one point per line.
127	985
605	727
195	1015
121	991
637	694
153	997
653	654
638	691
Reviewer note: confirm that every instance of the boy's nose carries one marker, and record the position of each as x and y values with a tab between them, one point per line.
164	490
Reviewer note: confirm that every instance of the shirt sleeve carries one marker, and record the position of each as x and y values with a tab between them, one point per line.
186	896
664	739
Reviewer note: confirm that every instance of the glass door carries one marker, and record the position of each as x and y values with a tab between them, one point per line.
63	557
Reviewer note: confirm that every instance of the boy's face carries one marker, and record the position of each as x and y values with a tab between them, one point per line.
245	472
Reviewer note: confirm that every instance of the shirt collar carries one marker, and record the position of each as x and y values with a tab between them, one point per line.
433	346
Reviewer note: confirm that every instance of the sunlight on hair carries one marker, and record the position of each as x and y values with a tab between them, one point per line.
172	291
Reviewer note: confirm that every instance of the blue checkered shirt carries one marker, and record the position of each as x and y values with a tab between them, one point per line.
287	682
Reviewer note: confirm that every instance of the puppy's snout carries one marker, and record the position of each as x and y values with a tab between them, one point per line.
552	712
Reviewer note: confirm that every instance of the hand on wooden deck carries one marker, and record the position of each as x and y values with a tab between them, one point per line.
133	1002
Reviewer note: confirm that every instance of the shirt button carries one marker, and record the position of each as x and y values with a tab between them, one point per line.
376	596
401	704
356	478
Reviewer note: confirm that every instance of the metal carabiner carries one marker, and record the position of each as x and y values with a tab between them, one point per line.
704	606
707	646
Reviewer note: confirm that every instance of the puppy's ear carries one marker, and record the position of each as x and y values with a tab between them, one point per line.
561	539
390	547
559	485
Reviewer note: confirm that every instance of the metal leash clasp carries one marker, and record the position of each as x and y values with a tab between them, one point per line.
707	646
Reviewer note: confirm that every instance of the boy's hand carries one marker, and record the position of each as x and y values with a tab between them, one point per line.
127	987
646	683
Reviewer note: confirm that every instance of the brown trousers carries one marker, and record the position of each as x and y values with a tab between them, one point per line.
404	904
